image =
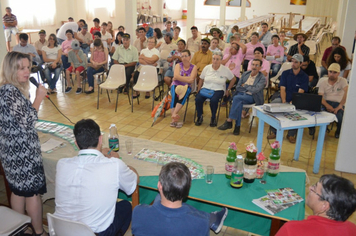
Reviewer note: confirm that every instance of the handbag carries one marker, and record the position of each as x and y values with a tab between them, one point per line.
208	93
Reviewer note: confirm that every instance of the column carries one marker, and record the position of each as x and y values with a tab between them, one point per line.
131	18
190	17
222	12
243	10
3	50
160	8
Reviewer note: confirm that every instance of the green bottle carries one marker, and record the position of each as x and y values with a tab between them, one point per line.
230	162
250	167
273	162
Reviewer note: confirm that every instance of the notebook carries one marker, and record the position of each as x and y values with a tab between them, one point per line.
307	101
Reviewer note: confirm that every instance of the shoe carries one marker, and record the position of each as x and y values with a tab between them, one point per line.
147	96
226	125
199	121
213	122
217	220
236	130
291	139
79	91
53	91
337	135
311	131
136	96
223	104
271	136
89	92
68	89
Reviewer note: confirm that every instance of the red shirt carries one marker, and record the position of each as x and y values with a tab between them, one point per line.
328	51
317	225
93	30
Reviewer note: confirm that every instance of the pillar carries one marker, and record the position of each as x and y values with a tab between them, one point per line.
131	18
243	10
3	50
190	17
222	12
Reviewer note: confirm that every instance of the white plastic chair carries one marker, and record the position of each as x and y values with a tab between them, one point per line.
12	222
115	79
62	227
285	66
312	46
147	82
248	107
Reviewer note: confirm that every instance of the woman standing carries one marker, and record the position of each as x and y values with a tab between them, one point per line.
20	149
52	57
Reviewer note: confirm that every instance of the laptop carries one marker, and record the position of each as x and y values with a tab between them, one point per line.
307	101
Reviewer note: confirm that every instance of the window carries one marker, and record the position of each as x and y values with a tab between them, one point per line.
91	5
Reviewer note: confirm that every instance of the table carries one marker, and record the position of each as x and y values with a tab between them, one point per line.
278	121
247	23
307	23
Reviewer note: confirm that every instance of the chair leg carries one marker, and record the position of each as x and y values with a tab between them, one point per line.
186	108
217	119
97	104
132	99
153	100
251	124
107	91
128	96
117	98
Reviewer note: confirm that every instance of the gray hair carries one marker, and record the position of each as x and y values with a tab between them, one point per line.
218	54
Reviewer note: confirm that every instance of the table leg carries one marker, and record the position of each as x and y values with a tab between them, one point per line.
279	138
298	143
319	148
261	125
276	224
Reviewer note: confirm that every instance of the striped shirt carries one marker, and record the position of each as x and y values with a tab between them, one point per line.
8	19
294	50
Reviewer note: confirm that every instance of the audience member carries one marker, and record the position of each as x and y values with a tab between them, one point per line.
85	39
121	29
250	48
10	22
141	42
165	49
212	85
249	90
184	75
332	200
203	57
105	35
168	28
66	47
335	42
176	33
265	35
73	26
109	28
299	47
70	19
334	91
126	55
339	56
174	24
193	43
52	58
292	81
275	54
216	33
96	27
78	63
284	43
265	68
39	44
234	29
308	66
173	58
234	57
149	30
117	42
97	35
148	56
98	63
214	45
157	34
87	185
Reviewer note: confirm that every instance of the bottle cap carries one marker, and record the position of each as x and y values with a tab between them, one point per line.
239	157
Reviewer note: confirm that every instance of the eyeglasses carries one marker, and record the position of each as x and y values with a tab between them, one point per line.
313	189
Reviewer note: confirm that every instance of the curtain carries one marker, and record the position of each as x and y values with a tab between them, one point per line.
91	5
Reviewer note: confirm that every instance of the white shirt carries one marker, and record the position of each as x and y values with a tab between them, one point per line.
87	188
51	53
69	25
149	53
216	79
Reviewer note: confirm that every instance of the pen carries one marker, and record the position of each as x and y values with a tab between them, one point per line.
111	149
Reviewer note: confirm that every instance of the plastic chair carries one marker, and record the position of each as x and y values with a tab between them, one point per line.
285	66
62	227
147	81
248	107
12	222
115	79
312	46
193	91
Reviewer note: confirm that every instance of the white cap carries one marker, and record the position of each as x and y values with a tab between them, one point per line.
239	157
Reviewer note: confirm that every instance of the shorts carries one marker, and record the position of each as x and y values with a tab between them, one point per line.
80	69
8	32
169	73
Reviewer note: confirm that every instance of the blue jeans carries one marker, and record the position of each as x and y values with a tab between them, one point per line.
48	74
237	104
339	114
65	62
122	220
60	41
86	50
275	68
90	74
214	103
291	132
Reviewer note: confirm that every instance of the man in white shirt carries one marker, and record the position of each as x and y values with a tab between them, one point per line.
74	26
193	43
39	44
105	35
166	47
141	42
87	185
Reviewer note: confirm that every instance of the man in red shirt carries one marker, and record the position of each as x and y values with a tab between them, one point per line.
96	27
332	200
335	42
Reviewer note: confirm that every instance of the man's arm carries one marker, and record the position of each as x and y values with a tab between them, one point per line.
342	102
328	107
135	171
283	94
258	87
149	60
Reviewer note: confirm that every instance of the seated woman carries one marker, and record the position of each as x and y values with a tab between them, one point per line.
212	85
174	58
52	57
275	54
214	45
251	49
339	56
66	47
117	42
98	62
184	74
157	33
234	57
258	52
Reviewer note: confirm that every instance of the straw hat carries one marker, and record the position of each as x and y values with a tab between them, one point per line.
304	36
181	91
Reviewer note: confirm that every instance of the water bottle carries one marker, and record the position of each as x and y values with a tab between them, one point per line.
113	138
238	175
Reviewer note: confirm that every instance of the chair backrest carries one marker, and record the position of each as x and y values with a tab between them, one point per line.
148	77
11	221
62	227
312	46
285	66
116	75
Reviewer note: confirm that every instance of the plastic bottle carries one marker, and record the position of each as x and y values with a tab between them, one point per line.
230	162
238	175
250	167
113	138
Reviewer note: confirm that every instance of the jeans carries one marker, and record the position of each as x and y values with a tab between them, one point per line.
128	72
65	62
323	71
122	220
60	41
90	75
245	65
214	103
291	132
237	104
86	50
275	68
48	74
339	114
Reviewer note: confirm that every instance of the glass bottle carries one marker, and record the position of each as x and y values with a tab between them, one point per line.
273	162
238	175
230	162
113	138
250	167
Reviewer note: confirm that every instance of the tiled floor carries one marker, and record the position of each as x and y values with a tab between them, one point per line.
138	124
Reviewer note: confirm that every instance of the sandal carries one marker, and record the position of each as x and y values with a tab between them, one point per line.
175	118
179	125
173	124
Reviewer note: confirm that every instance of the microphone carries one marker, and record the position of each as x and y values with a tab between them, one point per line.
34	81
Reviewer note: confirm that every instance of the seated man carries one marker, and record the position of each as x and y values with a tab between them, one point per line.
334	91
96	27
87	185
166	47
332	200
202	57
308	66
141	42
10	22
168	28
335	42
249	90
149	30
169	215
106	37
299	47
212	80
193	43
39	44
176	33
85	39
265	35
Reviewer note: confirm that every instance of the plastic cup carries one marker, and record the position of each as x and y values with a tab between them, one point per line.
129	144
209	174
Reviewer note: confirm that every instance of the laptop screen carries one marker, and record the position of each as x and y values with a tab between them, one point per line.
307	101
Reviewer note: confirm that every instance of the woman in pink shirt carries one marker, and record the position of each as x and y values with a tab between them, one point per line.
251	47
233	59
275	54
66	47
258	53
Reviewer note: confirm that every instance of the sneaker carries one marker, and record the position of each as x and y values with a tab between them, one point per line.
217	220
226	125
79	91
271	136
236	130
213	122
199	121
68	89
291	139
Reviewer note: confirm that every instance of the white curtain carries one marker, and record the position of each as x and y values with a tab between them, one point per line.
91	5
323	8
34	13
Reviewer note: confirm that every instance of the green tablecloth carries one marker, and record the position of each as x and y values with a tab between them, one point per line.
243	214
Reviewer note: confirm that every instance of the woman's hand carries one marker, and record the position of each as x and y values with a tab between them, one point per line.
41	92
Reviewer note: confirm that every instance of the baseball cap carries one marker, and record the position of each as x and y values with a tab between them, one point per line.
75	45
334	67
42	31
126	35
85	26
298	57
169	34
144	25
206	40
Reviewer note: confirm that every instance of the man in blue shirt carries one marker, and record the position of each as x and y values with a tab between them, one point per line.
168	215
292	81
149	30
